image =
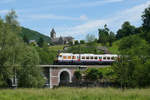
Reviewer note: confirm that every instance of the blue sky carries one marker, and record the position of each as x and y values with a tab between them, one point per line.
75	18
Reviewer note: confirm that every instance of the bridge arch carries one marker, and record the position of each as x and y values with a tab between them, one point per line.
64	74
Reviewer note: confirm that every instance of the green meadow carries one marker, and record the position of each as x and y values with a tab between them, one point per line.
75	94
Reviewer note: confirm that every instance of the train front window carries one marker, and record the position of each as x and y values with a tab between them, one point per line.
100	57
60	56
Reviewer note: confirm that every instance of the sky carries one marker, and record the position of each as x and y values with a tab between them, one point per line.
75	18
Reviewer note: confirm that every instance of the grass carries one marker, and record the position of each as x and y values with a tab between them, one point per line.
57	47
75	94
114	48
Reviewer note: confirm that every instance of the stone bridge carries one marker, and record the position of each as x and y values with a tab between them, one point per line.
59	74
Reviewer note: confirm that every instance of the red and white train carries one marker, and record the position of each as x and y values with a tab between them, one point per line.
85	59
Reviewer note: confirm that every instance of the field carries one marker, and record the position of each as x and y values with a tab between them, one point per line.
75	94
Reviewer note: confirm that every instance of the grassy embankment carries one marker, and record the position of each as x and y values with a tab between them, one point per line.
75	94
114	48
57	47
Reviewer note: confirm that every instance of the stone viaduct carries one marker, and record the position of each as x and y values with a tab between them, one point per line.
59	74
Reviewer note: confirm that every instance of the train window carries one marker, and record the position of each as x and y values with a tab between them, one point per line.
69	57
73	57
104	58
87	57
95	57
100	57
108	58
91	57
83	57
64	57
60	56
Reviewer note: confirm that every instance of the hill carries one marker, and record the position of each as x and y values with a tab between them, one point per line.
33	35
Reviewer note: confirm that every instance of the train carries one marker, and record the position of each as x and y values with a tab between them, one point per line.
85	59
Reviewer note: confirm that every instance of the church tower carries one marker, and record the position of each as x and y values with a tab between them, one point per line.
53	34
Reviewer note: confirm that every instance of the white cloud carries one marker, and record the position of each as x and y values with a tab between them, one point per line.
96	3
56	17
83	17
4	11
133	15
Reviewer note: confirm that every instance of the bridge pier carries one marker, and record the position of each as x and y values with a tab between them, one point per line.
60	74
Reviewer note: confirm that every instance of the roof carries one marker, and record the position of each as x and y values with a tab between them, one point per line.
56	40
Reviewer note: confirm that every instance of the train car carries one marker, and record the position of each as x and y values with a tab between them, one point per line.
85	59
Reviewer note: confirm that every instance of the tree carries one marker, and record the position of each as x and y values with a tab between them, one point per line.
146	18
15	56
11	18
132	65
76	42
29	75
92	74
126	30
146	24
90	38
78	75
103	35
11	49
25	39
40	42
112	38
70	43
82	42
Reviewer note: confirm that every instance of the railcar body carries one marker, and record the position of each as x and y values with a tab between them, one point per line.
85	59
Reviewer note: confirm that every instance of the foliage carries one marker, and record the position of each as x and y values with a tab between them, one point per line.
40	42
133	62
10	51
11	18
112	38
78	74
105	35
90	47
126	30
146	18
76	42
146	24
30	75
93	74
114	48
33	35
16	58
25	39
82	42
47	56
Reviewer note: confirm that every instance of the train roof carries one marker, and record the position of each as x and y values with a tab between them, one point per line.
89	54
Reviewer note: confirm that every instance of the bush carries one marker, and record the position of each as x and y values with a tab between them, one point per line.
77	74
